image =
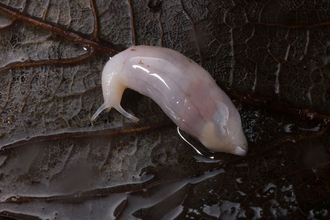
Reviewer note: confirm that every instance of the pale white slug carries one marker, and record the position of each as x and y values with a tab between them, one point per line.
184	90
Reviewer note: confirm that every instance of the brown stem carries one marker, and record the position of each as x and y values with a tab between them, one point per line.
64	136
48	62
83	40
259	102
96	28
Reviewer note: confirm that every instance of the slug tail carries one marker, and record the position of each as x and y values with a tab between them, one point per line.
102	107
125	113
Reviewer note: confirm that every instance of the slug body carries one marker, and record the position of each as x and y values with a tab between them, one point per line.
184	90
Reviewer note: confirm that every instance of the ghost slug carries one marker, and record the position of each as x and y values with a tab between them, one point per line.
184	90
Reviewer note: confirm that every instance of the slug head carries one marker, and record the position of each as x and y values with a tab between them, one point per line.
224	132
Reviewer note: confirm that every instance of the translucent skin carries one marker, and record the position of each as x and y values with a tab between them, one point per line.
184	90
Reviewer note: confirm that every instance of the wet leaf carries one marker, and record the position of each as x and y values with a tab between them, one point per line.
271	57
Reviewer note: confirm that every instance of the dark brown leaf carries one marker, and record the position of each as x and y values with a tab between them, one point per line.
271	57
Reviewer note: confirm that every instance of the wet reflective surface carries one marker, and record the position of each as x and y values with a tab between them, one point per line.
151	177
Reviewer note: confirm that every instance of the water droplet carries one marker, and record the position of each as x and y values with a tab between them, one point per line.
288	128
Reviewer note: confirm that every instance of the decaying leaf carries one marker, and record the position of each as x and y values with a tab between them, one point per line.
271	57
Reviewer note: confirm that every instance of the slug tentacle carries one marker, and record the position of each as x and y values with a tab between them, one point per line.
185	91
102	107
117	107
125	113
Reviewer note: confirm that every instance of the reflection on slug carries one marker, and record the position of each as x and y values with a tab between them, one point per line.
184	90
